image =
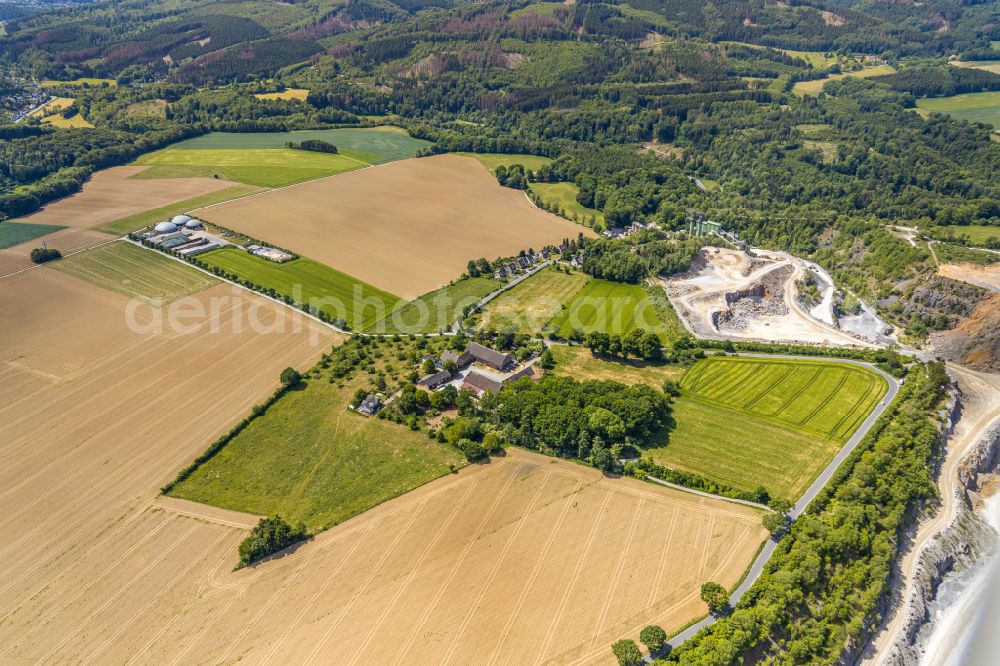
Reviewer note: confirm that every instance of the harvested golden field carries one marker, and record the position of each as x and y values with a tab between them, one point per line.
407	227
525	560
65	240
96	417
287	93
135	272
111	194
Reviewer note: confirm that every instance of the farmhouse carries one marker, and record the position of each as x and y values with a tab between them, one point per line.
434	380
480	383
461	360
491	357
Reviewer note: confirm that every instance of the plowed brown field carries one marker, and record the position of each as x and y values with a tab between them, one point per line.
110	195
407	227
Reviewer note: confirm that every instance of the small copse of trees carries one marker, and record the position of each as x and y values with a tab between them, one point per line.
268	537
40	255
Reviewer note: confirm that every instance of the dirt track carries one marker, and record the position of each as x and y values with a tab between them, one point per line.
407	227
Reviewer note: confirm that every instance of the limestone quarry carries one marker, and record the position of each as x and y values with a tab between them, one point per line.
735	295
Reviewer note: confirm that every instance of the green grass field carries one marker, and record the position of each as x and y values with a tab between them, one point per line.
142	220
580	364
815	87
728	446
777	423
15	233
135	272
372	145
977	234
825	398
981	107
261	159
339	295
276	167
84	81
612	308
492	160
436	311
564	196
530	305
308	458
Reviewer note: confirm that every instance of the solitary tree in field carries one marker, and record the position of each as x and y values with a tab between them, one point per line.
627	652
715	596
653	637
290	377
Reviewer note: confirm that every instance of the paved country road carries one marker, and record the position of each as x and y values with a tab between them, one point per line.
765	553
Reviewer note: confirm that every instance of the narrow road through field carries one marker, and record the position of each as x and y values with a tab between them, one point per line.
510	285
814	489
981	409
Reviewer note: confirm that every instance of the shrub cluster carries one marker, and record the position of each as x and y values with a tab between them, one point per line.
40	255
268	537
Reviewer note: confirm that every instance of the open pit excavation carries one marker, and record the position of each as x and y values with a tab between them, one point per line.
733	295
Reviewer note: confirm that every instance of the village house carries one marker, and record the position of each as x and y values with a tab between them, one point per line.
491	357
461	360
480	383
432	381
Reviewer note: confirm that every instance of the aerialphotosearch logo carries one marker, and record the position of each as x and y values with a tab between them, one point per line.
239	310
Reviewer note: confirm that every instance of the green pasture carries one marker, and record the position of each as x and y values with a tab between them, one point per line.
436	311
135	272
579	363
310	459
371	145
826	398
276	167
15	233
142	220
980	107
83	81
815	87
610	307
261	158
492	160
563	195
531	304
337	294
977	234
775	423
742	450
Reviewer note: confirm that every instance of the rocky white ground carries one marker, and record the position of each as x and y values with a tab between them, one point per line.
729	294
